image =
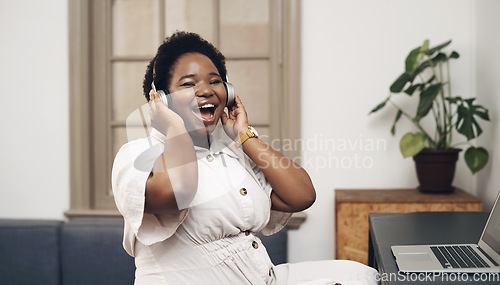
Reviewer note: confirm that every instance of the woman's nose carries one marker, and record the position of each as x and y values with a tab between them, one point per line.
204	90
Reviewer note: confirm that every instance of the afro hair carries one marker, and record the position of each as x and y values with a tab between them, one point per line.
170	50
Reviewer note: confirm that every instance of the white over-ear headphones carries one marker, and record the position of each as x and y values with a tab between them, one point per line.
230	93
166	98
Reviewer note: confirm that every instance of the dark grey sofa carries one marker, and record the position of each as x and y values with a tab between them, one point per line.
81	251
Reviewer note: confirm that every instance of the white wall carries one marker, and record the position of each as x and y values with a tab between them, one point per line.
488	89
352	51
34	145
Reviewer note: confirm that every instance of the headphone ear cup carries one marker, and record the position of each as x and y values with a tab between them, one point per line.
166	98
230	94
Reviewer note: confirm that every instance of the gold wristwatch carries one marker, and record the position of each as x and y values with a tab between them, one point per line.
250	133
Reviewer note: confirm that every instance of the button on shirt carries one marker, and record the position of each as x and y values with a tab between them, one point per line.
207	239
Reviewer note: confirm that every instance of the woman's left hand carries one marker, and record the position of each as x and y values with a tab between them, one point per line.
237	121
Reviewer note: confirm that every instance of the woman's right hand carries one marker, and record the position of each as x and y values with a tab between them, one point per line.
162	118
173	181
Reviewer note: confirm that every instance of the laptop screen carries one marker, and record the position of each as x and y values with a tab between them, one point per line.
491	235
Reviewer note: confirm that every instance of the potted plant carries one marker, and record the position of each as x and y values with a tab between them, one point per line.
427	76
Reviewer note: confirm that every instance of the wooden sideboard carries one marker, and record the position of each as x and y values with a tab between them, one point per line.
353	206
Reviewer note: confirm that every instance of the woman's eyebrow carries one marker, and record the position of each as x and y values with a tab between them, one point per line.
187	76
194	75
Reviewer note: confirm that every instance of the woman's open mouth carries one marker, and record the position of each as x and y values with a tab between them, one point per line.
205	112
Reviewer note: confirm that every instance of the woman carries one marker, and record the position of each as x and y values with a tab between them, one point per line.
193	202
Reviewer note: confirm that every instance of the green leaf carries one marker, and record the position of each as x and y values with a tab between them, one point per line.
454	100
481	112
426	100
424	65
454	54
413	60
398	116
469	100
439	47
440	57
412	89
476	158
466	123
400	83
379	106
411	144
425	47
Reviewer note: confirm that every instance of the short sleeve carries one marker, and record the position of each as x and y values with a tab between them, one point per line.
131	169
277	219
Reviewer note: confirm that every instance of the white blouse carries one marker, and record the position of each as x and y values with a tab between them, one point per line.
212	240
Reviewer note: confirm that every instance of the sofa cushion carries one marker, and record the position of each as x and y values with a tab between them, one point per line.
29	252
92	253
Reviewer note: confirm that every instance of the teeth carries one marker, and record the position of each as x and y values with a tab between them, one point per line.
207	106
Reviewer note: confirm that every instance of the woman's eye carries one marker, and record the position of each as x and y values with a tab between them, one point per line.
188	84
216	81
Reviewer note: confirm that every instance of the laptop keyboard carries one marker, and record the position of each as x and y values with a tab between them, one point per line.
458	257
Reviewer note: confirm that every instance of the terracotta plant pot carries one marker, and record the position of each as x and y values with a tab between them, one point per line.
436	169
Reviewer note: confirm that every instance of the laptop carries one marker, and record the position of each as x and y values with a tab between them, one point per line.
481	257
